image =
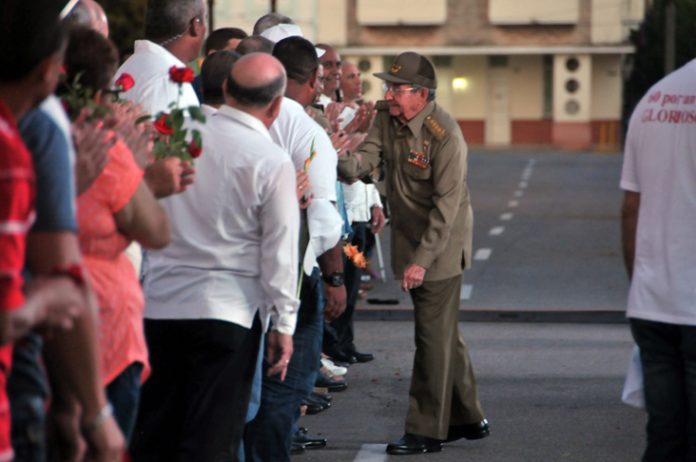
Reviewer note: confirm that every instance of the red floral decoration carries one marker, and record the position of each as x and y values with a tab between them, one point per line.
173	136
125	82
162	126
194	149
181	74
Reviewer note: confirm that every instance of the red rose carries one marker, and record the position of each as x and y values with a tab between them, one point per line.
162	126
125	81
181	74
194	150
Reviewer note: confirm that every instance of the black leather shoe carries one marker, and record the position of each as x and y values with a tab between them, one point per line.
474	431
363	357
414	444
308	441
320	397
312	399
296	449
315	407
342	357
332	385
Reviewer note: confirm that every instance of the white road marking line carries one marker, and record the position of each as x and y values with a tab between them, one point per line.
513	203
523	185
519	193
506	216
482	254
496	231
371	453
465	293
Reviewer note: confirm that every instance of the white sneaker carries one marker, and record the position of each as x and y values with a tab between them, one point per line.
334	369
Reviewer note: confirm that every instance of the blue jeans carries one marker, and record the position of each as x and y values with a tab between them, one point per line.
124	395
269	436
668	357
338	334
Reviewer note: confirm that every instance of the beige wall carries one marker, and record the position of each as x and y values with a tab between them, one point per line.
243	14
526	87
332	22
582	96
393	12
533	11
469	104
606	87
607	16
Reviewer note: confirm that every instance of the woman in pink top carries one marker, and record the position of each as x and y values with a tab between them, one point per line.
115	210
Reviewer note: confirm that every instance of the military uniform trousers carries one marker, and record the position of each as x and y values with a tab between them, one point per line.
443	388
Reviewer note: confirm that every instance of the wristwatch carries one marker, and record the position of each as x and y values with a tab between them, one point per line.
334	279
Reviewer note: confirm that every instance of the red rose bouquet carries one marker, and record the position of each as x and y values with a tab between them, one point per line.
172	138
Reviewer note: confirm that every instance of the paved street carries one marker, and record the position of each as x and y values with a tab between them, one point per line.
546	240
550	391
547	249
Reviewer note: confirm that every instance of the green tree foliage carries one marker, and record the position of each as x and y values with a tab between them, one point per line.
649	40
126	22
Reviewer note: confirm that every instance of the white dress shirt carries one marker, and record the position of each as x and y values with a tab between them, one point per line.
149	66
208	110
235	233
295	131
360	198
154	90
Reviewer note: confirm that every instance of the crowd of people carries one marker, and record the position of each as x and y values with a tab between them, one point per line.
182	255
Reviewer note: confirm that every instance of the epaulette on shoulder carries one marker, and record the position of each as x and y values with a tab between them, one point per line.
382	105
435	127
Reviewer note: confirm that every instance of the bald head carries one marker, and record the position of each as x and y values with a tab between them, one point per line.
90	14
256	80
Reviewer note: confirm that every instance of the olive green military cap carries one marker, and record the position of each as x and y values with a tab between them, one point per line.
410	67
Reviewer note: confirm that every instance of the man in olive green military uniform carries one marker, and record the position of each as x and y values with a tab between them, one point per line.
423	156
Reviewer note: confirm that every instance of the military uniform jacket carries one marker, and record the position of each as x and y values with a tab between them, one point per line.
425	166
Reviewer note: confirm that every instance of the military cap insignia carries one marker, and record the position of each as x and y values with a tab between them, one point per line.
435	127
395	69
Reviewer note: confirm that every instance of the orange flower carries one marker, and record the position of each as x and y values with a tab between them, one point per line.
181	74
350	250
359	260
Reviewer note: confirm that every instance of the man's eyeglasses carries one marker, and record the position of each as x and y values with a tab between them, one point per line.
397	88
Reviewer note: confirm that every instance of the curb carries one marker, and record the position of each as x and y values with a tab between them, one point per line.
401	313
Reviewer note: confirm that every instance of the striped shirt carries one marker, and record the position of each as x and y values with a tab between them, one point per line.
17	199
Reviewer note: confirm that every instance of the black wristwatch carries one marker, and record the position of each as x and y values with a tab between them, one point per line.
334	279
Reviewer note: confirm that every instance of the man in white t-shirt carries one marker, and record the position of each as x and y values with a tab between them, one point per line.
269	435
659	243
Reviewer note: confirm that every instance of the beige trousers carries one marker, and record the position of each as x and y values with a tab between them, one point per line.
443	387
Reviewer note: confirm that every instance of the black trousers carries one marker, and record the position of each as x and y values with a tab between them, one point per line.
668	357
194	404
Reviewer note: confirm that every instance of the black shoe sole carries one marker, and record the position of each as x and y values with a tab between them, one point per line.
480	436
409	452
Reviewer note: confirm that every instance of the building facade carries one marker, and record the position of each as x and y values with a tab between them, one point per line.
512	72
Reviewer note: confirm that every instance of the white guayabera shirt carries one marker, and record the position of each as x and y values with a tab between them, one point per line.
235	233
